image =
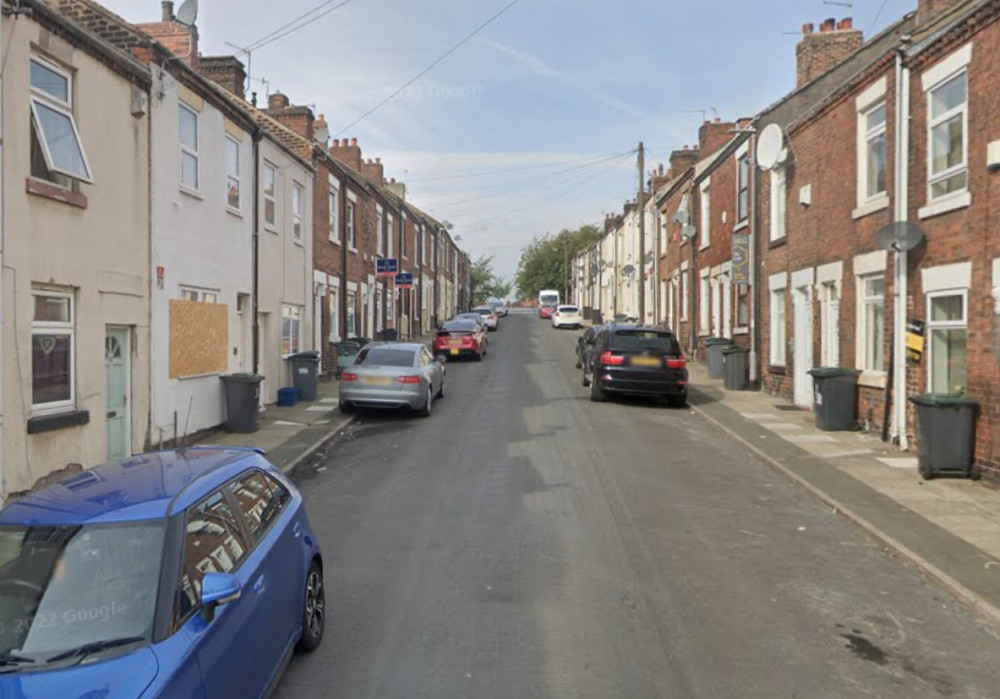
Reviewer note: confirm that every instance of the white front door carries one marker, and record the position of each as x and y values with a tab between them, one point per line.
727	306
319	298
803	359
116	398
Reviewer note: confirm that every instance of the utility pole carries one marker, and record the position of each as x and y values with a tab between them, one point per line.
642	234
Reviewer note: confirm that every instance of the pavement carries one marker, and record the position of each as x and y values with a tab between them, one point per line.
525	542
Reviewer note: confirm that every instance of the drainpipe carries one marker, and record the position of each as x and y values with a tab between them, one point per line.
902	145
255	302
2	322
344	242
755	271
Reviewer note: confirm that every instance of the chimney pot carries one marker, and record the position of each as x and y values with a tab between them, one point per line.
718	120
846	23
808	28
354	142
828	25
378	160
168	10
335	143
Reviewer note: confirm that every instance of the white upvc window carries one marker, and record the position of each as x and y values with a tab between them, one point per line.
871	322
706	214
291	329
53	352
334	215
778	341
270	182
948	136
685	295
947	331
232	173
779	197
352	314
351	232
704	299
390	234
872	168
742	307
379	232
54	130
829	310
743	189
334	298
187	125
402	238
190	293
297	211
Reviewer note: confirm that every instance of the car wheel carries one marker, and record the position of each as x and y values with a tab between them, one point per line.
678	401
578	364
586	378
428	404
597	394
440	394
345	408
313	610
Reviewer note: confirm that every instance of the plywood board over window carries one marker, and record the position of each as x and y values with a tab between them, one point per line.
199	338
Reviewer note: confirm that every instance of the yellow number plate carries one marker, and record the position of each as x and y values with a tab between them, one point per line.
454	351
645	361
378	380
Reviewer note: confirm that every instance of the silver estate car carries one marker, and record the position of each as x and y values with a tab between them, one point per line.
392	375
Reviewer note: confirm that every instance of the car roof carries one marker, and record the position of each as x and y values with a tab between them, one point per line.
414	346
459	324
615	327
144	487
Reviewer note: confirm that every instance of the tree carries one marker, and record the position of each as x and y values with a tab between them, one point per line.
544	263
485	284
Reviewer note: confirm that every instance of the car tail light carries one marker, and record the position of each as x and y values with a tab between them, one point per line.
609	359
409	379
348	377
469	341
676	363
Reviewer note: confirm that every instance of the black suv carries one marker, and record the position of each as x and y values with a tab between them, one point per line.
636	360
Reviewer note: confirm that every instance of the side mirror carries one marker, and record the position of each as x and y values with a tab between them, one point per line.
216	589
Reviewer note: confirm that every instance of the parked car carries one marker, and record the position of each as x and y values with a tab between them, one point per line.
585	346
545	311
392	375
191	573
460	338
499	307
636	360
477	317
567	317
489	316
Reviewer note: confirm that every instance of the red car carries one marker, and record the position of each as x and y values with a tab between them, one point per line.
460	338
546	312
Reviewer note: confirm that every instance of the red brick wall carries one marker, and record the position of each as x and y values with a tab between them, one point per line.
819	52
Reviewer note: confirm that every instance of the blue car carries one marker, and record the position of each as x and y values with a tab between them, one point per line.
193	573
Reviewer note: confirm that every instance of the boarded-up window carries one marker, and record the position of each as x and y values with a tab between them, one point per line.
199	338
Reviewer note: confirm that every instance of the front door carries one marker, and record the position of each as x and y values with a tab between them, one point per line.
116	402
802	300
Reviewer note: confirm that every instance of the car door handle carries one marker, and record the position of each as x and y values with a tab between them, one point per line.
259	585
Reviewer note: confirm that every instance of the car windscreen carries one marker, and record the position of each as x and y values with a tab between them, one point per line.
62	587
386	356
549	300
639	340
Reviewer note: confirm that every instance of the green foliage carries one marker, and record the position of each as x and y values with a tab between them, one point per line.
485	284
543	263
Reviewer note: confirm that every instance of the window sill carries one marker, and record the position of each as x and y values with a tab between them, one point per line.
706	246
777	243
234	212
872	379
335	241
741	331
194	377
270	229
55	193
352	249
193	193
742	225
57	421
870	207
299	242
777	369
952	202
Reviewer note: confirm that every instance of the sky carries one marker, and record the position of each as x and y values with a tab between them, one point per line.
532	125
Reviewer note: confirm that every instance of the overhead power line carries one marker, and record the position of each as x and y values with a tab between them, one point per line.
428	69
294	26
490	173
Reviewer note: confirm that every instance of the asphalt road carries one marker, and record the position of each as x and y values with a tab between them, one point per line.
524	542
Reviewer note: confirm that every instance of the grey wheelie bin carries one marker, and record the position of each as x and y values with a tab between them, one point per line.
835	397
305	374
713	350
945	435
242	401
737	368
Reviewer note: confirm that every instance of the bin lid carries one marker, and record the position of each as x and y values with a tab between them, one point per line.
832	372
241	378
943	400
709	341
733	349
305	357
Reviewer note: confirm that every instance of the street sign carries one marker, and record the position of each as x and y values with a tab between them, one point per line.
741	259
404	280
387	266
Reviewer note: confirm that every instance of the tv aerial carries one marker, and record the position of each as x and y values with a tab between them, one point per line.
771	150
188	13
900	236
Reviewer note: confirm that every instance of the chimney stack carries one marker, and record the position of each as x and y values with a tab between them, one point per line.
713	135
297	118
373	170
681	160
180	40
346	152
227	72
819	52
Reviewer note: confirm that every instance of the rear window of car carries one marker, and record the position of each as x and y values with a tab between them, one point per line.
457	329
664	342
483	311
569	309
383	356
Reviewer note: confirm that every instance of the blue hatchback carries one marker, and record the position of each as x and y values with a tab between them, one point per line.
192	573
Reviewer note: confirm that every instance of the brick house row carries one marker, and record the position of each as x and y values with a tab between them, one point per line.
901	130
158	230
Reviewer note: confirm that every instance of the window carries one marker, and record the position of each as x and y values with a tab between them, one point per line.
199	295
261	501
351	238
871	323
270	195
402	238
214	543
56	150
297	211
685	298
188	131
232	173
334	218
829	311
948	333
379	232
390	234
873	156
778	327
352	317
704	298
53	347
778	200
334	315
948	136
743	190
706	216
291	329
742	305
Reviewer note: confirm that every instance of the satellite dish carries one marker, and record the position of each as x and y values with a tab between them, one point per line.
689	231
770	146
628	269
188	13
681	217
648	258
899	236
